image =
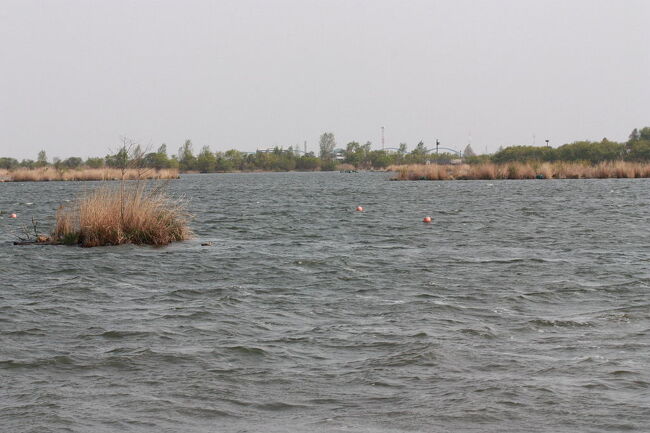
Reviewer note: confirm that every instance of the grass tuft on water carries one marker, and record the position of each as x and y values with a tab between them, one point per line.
128	213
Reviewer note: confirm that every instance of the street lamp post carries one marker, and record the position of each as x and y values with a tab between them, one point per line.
547	142
437	144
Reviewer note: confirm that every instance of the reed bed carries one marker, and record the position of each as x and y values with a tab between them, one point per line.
519	170
51	174
128	213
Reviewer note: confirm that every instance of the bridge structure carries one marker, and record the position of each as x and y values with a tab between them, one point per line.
297	151
271	149
459	153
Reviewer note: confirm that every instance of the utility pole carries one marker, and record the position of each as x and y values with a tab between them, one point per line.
547	142
305	148
382	138
437	144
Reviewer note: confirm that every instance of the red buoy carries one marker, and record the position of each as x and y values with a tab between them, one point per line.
359	209
13	215
426	219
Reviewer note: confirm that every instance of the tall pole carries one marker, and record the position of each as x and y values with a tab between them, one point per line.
437	144
382	138
547	143
305	147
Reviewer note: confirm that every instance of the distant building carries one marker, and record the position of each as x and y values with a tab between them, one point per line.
338	154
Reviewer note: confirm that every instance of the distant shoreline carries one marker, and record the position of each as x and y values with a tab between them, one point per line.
523	170
50	174
410	172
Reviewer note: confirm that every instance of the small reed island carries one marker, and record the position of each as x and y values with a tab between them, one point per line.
128	213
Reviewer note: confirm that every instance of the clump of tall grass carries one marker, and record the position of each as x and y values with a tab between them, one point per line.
128	213
52	174
523	170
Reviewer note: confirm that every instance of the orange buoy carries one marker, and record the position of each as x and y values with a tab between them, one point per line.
426	219
359	209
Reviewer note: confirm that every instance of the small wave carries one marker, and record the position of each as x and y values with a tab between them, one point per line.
116	335
59	360
551	323
483	333
279	406
244	350
30	331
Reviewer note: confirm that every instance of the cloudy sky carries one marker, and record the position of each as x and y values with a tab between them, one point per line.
75	75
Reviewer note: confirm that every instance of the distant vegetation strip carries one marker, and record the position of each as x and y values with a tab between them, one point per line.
84	173
523	170
353	155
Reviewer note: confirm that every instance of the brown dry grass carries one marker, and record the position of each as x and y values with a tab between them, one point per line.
52	174
346	167
128	213
518	170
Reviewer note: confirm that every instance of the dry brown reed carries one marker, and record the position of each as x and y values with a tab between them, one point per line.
128	213
346	167
519	170
52	174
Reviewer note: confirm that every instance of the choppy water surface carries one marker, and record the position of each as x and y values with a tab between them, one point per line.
523	307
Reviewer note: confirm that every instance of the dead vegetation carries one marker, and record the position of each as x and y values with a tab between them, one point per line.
519	170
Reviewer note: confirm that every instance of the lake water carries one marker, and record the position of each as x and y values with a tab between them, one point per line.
523	307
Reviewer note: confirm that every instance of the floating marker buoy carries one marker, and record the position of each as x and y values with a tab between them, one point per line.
13	215
426	219
359	209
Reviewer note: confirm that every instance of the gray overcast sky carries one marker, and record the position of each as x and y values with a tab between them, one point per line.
75	75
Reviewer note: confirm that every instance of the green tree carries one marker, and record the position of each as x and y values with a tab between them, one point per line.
308	161
524	154
94	162
644	133
8	163
353	153
41	160
72	162
120	159
223	163
159	159
639	151
327	144
28	163
379	159
592	152
468	152
186	159
418	155
206	161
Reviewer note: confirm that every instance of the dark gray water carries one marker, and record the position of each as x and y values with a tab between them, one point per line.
524	307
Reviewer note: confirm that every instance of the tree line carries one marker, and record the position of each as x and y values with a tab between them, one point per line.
636	148
331	157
